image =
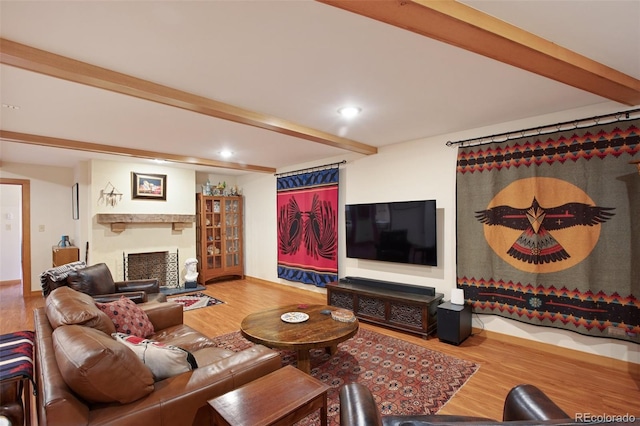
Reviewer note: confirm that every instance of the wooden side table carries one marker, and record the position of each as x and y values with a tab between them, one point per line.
16	375
63	255
298	395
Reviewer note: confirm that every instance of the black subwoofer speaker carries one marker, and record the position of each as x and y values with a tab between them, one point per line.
454	322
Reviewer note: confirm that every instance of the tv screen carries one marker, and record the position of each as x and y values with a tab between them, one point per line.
402	232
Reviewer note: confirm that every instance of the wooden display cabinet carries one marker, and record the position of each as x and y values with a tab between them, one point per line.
219	236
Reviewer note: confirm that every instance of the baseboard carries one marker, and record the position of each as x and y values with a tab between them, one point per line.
299	286
257	280
599	360
10	282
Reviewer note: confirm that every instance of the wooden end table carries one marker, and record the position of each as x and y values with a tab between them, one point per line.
16	377
253	404
319	331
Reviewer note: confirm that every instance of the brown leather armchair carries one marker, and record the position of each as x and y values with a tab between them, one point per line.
525	404
97	281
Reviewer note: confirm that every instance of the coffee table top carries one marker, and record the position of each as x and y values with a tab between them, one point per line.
320	330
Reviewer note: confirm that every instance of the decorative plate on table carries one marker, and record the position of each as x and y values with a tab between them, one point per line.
294	317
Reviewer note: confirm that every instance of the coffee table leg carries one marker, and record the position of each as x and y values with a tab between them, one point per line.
331	350
304	361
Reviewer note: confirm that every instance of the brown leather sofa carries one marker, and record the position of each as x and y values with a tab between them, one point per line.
86	377
97	281
524	405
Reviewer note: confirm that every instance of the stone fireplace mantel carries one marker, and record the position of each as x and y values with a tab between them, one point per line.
119	221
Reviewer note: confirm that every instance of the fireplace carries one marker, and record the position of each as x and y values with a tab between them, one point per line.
161	265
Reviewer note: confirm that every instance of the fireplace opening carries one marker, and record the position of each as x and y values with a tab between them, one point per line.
161	265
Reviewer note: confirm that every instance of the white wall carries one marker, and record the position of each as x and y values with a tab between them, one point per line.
107	246
50	210
423	169
10	232
51	215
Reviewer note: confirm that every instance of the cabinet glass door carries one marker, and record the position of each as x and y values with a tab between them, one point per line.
213	233
232	232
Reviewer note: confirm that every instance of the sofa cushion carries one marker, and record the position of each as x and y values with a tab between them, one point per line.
163	360
127	317
98	368
183	336
65	306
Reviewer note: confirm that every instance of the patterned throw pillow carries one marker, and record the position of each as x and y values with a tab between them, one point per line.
127	317
163	360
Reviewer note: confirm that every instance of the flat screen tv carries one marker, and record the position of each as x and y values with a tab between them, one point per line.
401	232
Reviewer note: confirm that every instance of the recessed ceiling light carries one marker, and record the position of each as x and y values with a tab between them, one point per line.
226	153
9	106
349	111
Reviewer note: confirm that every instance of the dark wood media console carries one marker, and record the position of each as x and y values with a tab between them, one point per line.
402	306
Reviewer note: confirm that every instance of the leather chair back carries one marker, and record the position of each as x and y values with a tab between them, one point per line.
527	402
93	280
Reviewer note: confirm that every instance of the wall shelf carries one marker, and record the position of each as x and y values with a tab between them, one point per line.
118	222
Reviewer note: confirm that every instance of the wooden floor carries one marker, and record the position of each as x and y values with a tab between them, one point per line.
576	385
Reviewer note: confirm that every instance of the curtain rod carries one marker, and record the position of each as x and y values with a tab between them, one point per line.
310	169
541	130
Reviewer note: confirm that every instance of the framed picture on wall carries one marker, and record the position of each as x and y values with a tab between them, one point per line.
148	186
75	210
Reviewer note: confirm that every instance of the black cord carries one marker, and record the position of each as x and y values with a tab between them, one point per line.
482	323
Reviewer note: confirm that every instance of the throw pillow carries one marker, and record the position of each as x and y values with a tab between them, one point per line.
98	368
127	317
65	306
163	360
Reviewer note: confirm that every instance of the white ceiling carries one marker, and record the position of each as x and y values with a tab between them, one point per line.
295	60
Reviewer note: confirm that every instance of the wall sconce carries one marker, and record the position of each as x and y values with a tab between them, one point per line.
637	163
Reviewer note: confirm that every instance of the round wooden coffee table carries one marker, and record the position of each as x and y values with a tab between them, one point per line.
319	331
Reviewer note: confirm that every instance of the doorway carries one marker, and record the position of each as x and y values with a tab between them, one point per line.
25	230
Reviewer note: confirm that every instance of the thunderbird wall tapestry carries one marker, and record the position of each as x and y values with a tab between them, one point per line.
548	229
308	227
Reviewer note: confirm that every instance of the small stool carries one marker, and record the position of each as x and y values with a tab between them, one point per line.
16	376
11	402
279	398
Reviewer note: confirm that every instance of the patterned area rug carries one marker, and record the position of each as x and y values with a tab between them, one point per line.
195	301
404	378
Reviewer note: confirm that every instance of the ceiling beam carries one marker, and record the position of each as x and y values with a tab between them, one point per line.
43	62
124	151
468	28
